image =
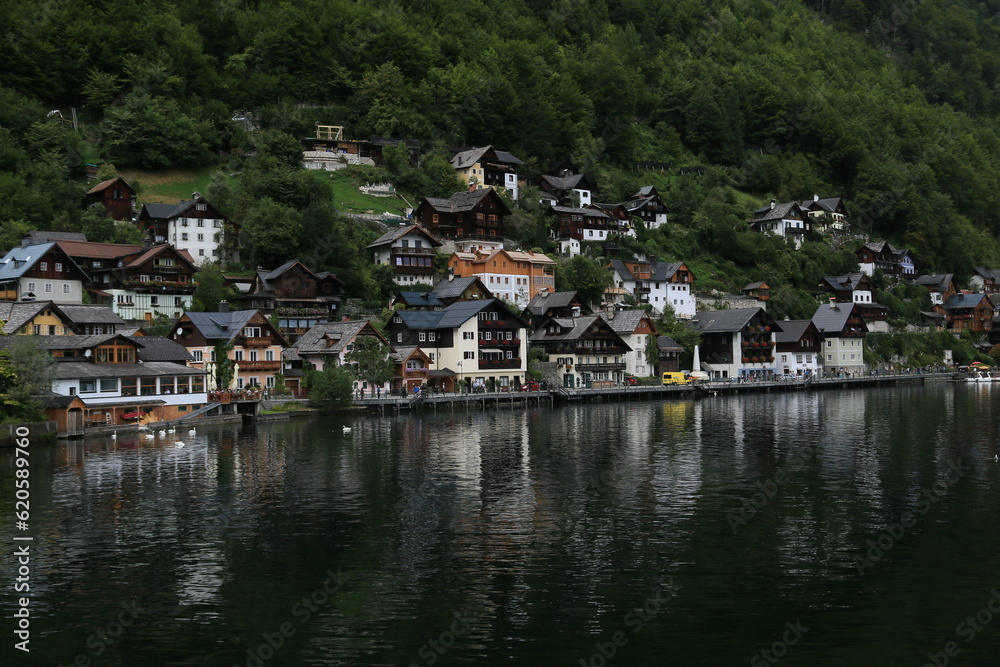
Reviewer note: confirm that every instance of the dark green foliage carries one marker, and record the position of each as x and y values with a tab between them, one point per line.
211	289
330	387
920	349
585	275
370	360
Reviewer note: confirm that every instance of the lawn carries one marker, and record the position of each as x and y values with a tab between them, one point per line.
349	199
169	186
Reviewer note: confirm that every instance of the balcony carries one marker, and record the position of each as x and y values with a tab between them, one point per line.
591	368
256	342
489	364
415	372
168	269
414	251
410	270
162	287
259	365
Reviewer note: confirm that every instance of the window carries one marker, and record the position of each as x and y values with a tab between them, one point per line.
238	355
154	301
201	252
251	332
397	319
431	355
48	288
217	224
399	338
269	381
184	236
468	335
468	355
422	337
58	267
201	223
432	336
253	355
201	207
43	266
198	355
65	288
211	355
487	335
184	222
201	237
31	287
109	384
510	354
88	386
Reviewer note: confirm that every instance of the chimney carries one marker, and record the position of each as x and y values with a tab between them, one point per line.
815	197
773	203
223	306
195	195
472	187
576	311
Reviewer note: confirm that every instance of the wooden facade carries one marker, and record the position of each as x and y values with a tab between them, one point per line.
116	196
475	214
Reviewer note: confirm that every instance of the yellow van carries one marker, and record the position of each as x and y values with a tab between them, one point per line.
675	377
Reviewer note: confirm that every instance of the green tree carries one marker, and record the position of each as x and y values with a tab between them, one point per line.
270	234
371	361
330	387
26	373
223	368
211	289
586	276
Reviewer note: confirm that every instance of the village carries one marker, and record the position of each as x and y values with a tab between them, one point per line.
473	311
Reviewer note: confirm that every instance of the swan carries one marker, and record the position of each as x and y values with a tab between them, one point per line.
191	432
179	443
114	435
170	430
347	429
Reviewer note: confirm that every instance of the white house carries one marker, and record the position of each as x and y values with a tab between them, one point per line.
409	251
659	284
636	328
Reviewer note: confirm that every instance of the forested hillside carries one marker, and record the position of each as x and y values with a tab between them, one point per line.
892	105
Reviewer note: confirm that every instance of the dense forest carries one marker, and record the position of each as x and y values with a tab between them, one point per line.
893	105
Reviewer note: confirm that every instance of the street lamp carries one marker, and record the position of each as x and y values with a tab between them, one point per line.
459	376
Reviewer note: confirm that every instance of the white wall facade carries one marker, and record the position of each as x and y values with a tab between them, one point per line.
201	237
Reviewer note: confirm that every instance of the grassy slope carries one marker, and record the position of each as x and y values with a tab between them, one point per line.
349	199
169	186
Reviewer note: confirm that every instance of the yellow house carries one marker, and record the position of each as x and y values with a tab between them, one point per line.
40	318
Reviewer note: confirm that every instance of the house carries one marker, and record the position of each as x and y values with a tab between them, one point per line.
196	226
546	305
412	371
787	220
472	219
859	289
737	343
117	378
967	312
299	297
89	320
827	215
620	219
253	344
38	318
659	284
759	290
941	286
116	196
882	256
137	282
985	280
330	151
669	355
565	189
573	226
584	350
843	331
44	271
516	277
645	206
479	341
329	344
445	293
409	251
486	167
636	328
798	346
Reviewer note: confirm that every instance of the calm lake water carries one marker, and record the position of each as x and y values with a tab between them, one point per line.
823	528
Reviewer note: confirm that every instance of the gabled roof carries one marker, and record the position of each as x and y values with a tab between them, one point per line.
625	321
659	271
94	250
394	234
454	315
792	330
454	288
143	257
845	283
169	211
586	212
158	348
104	185
87	314
989	274
221	326
956	301
833	318
19	260
74	369
15	314
465	159
755	286
725	320
507	158
36	237
939	281
777	212
828	204
545	300
465	200
337	334
574	328
421	300
667	343
567	182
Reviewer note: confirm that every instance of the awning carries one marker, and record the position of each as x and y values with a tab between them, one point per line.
442	373
491	350
126	403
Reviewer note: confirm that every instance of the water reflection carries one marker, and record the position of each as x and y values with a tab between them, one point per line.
544	526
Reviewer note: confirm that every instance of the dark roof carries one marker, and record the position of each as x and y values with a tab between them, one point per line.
105	184
777	212
545	300
964	301
659	271
453	316
158	348
832	318
466	200
573	328
452	289
506	157
88	314
588	212
625	321
845	283
753	286
791	331
990	274
221	326
83	368
567	182
724	320
341	334
400	232
667	343
828	204
36	238
421	299
939	281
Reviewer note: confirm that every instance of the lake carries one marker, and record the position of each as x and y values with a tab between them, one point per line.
808	528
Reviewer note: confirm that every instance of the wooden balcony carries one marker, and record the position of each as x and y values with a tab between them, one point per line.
259	365
591	368
257	342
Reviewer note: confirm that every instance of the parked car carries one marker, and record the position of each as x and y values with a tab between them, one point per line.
787	377
631	380
531	386
675	377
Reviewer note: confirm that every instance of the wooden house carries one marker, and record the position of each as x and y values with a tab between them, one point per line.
584	350
472	218
41	272
116	196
